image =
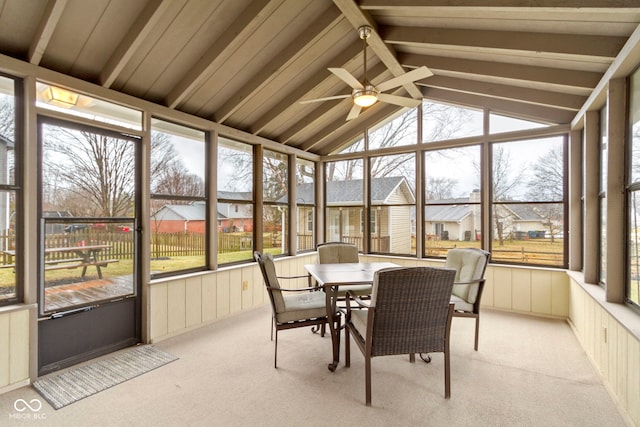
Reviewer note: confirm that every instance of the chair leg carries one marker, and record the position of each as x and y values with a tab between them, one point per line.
447	375
347	348
275	353
367	375
412	357
477	332
272	328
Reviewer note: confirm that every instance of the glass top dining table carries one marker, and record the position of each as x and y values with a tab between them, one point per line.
331	277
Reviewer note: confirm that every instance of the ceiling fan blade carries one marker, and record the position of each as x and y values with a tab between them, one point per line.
347	77
411	76
326	98
355	112
399	100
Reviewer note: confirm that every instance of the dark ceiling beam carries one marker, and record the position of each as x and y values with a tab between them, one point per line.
386	53
291	101
604	47
246	24
308	40
130	43
561	77
43	34
508	107
326	106
538	4
522	94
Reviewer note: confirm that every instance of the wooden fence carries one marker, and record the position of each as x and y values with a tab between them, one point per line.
193	244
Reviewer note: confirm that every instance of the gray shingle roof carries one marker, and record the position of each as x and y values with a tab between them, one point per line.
350	192
191	212
447	212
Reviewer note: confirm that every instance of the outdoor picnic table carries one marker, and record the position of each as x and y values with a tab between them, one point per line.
85	256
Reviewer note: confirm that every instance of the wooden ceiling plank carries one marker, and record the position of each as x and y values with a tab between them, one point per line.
299	92
565	44
563	77
315	32
531	96
132	40
386	53
45	30
238	31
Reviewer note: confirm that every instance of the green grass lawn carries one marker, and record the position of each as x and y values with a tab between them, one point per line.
534	251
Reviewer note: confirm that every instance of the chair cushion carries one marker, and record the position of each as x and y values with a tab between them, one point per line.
360	290
461	305
469	265
337	253
359	321
302	306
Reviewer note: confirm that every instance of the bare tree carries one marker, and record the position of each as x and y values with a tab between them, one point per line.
91	174
440	188
174	179
96	168
546	185
505	181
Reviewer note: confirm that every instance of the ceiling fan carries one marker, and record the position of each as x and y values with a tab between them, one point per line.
365	94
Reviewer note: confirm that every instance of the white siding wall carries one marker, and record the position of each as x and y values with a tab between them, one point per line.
14	347
612	345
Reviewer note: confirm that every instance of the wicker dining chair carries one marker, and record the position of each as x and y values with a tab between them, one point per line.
292	308
470	265
340	253
409	312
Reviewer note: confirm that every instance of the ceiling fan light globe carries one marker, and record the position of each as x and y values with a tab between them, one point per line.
365	100
366	97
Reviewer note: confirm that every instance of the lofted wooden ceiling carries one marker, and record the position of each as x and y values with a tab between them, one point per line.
247	64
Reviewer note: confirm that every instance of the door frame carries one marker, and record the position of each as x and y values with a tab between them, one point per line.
87	331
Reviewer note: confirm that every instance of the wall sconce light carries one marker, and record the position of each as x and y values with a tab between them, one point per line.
60	97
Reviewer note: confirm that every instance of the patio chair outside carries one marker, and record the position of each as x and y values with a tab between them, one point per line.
470	265
291	308
409	312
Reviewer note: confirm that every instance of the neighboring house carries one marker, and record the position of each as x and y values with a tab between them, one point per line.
392	212
454	220
235	217
180	218
459	219
232	217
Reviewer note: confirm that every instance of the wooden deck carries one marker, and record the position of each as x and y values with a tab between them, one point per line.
62	297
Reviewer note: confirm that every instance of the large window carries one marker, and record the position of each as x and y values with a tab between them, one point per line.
305	204
602	194
9	191
452	214
88	211
235	201
178	198
392	204
527	213
344	189
441	122
402	130
275	212
633	195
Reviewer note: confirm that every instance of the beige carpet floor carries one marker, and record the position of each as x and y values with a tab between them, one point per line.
527	372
